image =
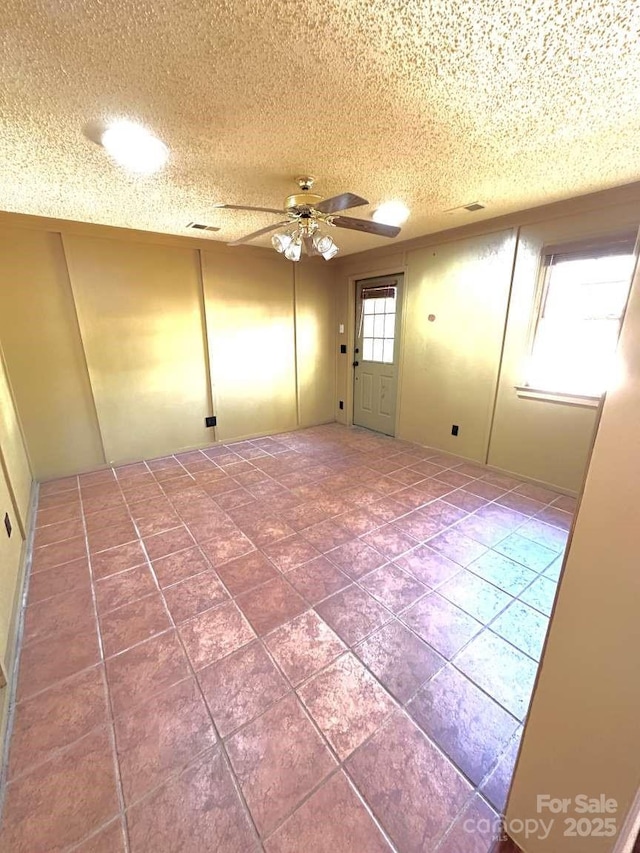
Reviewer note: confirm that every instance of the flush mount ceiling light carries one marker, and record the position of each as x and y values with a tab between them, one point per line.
391	213
134	148
306	214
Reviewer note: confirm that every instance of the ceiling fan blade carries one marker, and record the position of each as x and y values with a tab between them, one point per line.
340	202
258	233
366	226
245	207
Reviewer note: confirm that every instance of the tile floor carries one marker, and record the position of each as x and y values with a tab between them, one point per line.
319	641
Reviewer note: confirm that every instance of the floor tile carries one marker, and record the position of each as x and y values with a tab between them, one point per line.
410	786
524	627
58	532
537	493
475	596
241	686
160	736
441	624
502	572
179	566
464	722
525	551
457	547
347	703
61	614
270	605
317	579
356	558
393	587
326	535
290	553
59	803
56	718
390	541
169	542
353	613
109	839
66	578
48	661
111	536
199	810
279	758
500	670
214	634
124	588
544	534
192	596
304	646
221	550
496	787
429	567
399	660
246	572
266	531
60	552
356	522
332	820
476	830
485	531
553	571
520	503
145	670
117	560
133	623
541	595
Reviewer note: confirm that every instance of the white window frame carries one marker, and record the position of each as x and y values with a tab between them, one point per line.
597	247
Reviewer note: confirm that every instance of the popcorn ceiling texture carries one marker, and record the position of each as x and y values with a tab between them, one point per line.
436	103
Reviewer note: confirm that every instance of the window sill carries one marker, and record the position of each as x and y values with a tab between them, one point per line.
583	400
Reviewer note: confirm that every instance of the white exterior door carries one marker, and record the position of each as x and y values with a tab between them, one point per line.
375	381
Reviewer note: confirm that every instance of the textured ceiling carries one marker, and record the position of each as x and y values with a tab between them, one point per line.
513	102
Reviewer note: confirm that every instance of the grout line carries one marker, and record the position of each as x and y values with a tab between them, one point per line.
111	724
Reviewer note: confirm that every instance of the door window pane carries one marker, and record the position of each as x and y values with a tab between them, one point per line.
378	325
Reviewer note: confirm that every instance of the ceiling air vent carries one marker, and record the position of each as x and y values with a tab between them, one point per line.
199	226
475	205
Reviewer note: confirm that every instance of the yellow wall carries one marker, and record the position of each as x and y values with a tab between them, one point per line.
450	366
451	370
15	503
249	307
13	455
315	341
106	345
41	341
582	734
139	312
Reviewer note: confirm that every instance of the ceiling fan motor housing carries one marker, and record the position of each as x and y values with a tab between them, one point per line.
303	199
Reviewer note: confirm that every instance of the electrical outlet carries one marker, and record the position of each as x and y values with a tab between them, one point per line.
211	421
343	348
341	404
454	429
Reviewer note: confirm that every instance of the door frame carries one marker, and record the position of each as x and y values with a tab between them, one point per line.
400	269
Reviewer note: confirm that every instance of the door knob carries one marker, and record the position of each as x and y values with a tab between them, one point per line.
355	363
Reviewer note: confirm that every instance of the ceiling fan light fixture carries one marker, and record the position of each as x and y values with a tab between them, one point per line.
330	253
322	243
293	252
391	213
134	148
281	242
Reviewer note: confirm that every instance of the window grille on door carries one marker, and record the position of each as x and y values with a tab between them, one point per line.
378	322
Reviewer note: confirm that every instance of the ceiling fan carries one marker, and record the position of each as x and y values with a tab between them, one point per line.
306	212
